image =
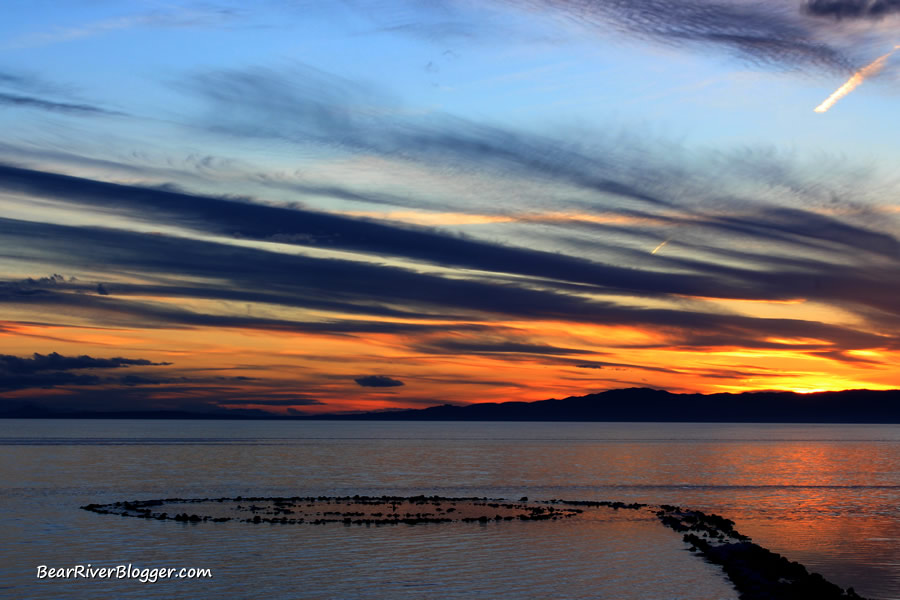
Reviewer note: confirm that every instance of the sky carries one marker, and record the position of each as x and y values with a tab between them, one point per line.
307	207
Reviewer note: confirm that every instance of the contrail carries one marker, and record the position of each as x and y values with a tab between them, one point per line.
867	71
658	248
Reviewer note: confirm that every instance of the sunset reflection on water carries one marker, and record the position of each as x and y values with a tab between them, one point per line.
824	495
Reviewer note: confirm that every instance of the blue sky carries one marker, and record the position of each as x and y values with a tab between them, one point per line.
524	65
589	194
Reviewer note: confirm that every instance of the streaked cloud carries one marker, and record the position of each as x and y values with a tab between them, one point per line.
63	107
852	9
377	381
53	370
363	232
769	33
184	17
55	362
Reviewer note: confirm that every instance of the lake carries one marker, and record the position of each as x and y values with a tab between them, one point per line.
827	496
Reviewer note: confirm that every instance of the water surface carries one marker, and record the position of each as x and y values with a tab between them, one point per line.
825	495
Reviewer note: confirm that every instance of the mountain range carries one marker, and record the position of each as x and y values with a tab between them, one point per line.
631	404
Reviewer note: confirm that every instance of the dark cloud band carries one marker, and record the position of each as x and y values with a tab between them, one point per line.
50	105
852	9
377	381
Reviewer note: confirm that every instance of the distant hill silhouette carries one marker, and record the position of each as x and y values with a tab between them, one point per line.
645	404
632	404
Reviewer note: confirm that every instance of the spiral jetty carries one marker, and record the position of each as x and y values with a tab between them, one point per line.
756	572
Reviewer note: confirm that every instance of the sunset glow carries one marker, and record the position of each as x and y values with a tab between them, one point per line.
365	209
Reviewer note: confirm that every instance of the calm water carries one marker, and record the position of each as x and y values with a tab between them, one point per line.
825	495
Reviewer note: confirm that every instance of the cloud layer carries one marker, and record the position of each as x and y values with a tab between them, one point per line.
275	236
852	9
52	370
377	381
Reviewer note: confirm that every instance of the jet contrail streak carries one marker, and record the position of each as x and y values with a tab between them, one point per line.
658	248
857	78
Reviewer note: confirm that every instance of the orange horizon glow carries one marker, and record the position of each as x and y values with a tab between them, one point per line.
324	366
